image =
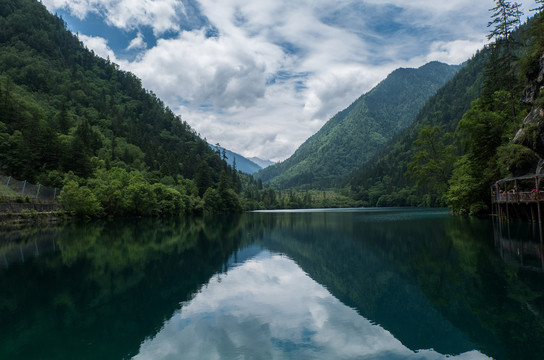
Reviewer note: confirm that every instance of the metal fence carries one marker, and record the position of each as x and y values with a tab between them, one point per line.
13	188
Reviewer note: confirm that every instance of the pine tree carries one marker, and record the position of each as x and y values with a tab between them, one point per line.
505	18
540	6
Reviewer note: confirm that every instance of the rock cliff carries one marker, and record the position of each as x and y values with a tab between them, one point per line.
531	133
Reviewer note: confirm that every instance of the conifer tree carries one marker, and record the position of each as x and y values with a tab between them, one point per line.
540	6
505	18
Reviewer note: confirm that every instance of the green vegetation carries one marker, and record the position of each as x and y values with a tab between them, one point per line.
385	180
353	135
492	83
257	197
487	129
70	118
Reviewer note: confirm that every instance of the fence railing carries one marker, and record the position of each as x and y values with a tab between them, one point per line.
12	188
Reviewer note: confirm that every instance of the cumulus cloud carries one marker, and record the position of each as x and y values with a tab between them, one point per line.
261	77
218	71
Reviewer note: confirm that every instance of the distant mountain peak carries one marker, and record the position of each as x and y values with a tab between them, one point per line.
355	134
243	164
262	163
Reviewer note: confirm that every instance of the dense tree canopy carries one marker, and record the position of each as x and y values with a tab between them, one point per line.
64	110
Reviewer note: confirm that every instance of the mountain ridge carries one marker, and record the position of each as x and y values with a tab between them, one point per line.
382	181
243	164
71	119
354	134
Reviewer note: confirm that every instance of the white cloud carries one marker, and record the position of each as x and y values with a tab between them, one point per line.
277	70
99	46
454	52
78	8
160	15
222	71
137	43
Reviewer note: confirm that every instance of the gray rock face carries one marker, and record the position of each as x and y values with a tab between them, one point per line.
531	133
531	91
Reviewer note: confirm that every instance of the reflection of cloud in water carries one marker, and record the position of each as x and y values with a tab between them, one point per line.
268	308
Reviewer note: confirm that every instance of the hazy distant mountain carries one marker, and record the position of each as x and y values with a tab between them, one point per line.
262	163
355	134
243	164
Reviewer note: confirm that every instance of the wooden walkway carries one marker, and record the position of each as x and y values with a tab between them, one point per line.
519	198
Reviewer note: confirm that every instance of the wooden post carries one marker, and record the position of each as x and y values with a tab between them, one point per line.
539	218
499	204
516	195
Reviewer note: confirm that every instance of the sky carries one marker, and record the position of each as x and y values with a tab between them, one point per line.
260	77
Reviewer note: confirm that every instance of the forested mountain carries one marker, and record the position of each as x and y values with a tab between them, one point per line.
68	116
353	135
383	181
463	140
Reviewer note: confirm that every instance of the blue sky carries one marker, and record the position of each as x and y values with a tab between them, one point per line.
260	77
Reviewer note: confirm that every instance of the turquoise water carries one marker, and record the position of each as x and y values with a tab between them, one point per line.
344	284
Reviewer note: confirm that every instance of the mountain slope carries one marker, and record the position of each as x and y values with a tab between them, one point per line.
243	164
353	135
67	113
382	180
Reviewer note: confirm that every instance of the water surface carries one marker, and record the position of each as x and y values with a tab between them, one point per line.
348	284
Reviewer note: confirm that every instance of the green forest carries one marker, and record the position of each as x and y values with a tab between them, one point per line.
439	135
71	119
461	142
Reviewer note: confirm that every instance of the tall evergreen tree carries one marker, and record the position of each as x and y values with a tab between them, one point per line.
505	18
540	6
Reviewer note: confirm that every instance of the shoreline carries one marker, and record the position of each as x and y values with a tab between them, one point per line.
12	214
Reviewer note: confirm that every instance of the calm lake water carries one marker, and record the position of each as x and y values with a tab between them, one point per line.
344	284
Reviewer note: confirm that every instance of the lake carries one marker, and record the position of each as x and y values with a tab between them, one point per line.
337	284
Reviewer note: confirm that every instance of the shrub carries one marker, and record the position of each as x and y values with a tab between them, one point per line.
79	200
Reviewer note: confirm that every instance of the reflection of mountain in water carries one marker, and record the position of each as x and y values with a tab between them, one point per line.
431	280
348	257
108	286
427	278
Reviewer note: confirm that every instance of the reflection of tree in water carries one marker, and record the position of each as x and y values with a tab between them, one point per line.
431	280
391	271
113	283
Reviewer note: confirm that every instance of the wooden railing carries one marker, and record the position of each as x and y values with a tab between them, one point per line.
523	189
522	196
